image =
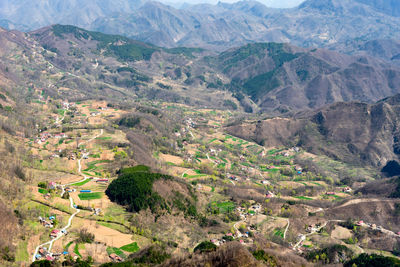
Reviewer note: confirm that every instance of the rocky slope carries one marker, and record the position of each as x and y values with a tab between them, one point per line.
356	133
283	77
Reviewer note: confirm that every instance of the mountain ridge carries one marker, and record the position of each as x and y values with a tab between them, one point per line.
224	25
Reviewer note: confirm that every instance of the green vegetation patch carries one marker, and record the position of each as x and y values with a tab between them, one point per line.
114	226
138	168
68	245
60	112
279	232
76	250
303	198
81	183
224	207
104	138
90	196
221	165
194	176
91	166
43	191
21	254
212	140
133	247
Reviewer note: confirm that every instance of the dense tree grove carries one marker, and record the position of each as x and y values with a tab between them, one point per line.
373	260
134	189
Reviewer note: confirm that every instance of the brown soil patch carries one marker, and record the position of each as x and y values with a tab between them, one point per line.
97	251
166	188
170	158
271	224
104	234
32	243
204	188
96	120
291	184
341	233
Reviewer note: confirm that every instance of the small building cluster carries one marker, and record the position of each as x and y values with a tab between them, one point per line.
44	254
45	223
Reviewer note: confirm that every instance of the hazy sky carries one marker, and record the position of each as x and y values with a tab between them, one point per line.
270	3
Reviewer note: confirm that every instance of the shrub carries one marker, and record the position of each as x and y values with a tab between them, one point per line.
85	237
261	255
228	238
153	255
43	185
6	254
372	260
205	246
230	104
42	263
332	254
19	172
129	122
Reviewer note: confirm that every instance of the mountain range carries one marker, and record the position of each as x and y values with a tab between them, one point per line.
317	23
273	77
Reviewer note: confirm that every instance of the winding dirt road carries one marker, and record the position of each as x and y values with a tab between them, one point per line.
63	230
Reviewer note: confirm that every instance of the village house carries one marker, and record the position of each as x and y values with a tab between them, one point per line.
296	149
311	228
54	233
54	156
298	168
234	178
71	156
52	185
215	242
330	193
42	251
45	223
115	257
347	189
97	211
60	135
256	207
270	195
